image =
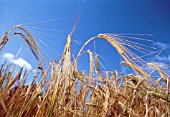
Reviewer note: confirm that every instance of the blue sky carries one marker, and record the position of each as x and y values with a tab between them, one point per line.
95	16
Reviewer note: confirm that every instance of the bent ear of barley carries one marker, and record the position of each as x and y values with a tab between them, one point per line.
29	36
28	43
123	51
27	33
162	73
136	68
113	43
3	42
31	44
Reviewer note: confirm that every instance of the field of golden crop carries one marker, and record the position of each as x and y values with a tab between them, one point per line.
70	92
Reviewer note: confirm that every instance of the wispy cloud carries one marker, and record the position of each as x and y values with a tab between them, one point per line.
160	45
20	61
164	58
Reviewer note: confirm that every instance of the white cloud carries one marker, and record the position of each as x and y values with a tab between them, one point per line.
164	58
8	56
160	45
20	61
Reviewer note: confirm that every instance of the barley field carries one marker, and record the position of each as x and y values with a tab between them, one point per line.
53	79
70	92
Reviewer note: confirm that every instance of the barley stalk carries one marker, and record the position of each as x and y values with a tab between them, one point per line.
91	63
